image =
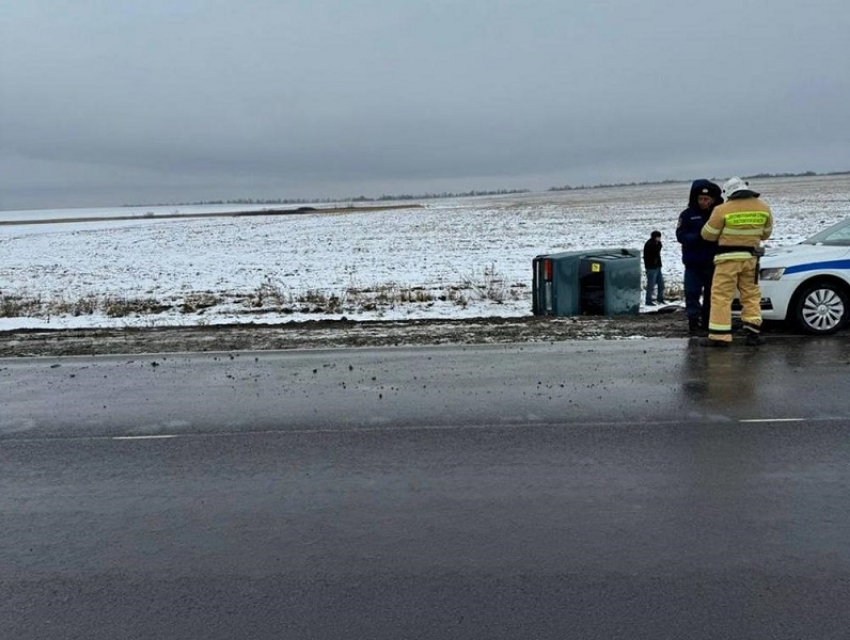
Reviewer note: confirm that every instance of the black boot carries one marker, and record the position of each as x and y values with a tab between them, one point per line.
708	342
695	328
753	339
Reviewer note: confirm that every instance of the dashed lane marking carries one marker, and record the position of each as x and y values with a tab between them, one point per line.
159	437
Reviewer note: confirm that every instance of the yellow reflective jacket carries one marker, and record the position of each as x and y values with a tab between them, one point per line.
738	224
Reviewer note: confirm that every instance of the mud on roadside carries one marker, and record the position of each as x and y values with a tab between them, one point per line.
337	333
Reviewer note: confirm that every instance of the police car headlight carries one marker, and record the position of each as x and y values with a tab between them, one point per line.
771	274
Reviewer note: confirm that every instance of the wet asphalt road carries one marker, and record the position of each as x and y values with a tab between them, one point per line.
630	489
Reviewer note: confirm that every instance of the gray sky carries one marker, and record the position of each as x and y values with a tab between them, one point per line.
109	102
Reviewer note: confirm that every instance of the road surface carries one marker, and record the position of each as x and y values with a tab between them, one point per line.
644	489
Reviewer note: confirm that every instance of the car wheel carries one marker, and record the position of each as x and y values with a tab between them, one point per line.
822	307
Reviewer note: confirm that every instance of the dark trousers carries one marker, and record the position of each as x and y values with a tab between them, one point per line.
698	284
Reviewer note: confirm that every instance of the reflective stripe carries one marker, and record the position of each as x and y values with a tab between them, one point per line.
756	233
741	218
719	328
733	255
711	230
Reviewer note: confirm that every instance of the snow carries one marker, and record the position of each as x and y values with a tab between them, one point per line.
451	258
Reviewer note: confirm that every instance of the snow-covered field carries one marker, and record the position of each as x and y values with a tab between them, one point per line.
453	258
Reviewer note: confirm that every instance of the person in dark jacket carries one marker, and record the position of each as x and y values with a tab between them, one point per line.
697	253
652	264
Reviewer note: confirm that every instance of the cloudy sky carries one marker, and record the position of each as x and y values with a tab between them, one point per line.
109	102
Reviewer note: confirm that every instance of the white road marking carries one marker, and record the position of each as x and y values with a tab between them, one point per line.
422	427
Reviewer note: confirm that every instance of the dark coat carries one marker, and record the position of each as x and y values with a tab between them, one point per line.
652	254
697	252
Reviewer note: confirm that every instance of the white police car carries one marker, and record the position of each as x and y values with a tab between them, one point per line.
809	283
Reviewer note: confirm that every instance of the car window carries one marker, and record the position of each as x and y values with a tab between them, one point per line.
837	235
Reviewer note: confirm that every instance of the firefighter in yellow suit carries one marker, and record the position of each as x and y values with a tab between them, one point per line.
738	227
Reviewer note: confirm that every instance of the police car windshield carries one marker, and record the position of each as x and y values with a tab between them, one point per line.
837	235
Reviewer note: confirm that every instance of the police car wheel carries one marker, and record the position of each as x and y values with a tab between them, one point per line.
822	308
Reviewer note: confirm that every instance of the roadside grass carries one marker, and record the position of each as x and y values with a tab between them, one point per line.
114	307
199	302
23	306
20	306
273	295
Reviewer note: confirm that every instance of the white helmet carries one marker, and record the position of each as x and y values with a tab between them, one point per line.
733	185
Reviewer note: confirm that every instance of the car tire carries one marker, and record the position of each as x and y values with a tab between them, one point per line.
822	308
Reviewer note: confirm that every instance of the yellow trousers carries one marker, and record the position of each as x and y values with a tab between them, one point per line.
731	276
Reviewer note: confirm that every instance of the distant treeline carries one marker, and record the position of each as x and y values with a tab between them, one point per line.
671	181
464	194
568	187
383	198
796	175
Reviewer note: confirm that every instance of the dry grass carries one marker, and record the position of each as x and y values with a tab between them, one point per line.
273	296
110	306
20	307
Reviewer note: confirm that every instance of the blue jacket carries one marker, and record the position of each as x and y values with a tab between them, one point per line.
696	252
